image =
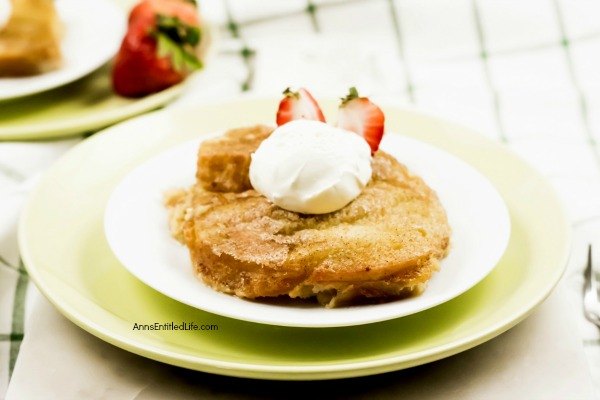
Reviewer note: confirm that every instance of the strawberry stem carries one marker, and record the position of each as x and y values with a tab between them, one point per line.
288	92
352	94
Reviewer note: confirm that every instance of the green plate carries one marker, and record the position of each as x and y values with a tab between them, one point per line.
67	256
86	105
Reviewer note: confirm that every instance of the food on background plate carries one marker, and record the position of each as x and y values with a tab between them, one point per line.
30	40
161	48
310	210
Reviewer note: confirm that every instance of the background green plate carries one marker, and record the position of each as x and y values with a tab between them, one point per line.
66	254
85	105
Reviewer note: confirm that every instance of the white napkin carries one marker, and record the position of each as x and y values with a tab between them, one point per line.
541	358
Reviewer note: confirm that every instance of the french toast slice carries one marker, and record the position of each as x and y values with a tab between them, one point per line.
223	162
385	244
30	40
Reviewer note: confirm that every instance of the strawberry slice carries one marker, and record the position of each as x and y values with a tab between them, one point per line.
360	115
159	50
298	105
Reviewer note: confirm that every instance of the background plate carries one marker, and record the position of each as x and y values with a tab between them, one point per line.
86	45
136	227
63	246
86	105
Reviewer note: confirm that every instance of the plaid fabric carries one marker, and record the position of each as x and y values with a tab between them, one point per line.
522	72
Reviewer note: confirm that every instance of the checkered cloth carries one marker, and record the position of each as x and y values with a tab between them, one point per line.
523	72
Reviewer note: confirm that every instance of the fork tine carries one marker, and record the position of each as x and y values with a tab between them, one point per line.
590	292
593	276
588	269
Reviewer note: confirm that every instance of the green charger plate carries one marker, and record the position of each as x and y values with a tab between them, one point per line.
86	105
66	254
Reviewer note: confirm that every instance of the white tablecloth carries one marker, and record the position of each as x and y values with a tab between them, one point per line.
538	359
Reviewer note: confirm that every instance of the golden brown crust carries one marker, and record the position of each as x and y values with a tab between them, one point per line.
386	243
223	162
30	40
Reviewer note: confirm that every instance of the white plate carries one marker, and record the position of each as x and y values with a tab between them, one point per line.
93	30
137	231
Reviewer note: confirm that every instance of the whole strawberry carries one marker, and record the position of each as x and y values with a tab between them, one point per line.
147	10
159	49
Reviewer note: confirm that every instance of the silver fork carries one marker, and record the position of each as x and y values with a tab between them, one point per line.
591	303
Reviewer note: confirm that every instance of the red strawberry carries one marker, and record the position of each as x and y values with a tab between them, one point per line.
147	10
158	50
298	105
360	115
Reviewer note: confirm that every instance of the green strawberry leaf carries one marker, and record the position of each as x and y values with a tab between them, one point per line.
178	30
177	41
182	59
352	94
288	92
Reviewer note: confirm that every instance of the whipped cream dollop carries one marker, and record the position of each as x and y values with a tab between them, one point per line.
311	167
